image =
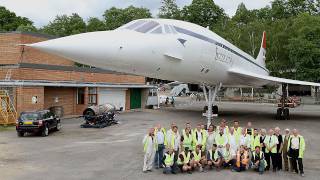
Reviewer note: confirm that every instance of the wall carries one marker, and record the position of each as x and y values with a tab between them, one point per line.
9	51
66	98
24	98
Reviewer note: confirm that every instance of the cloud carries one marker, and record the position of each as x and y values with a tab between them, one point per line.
43	11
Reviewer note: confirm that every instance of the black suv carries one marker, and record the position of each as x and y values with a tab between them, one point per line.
37	122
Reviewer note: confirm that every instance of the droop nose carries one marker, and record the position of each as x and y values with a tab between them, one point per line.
88	48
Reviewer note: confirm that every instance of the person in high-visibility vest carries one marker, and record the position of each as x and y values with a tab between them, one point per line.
188	126
161	142
186	138
249	129
221	140
295	149
168	161
255	140
173	138
183	161
223	125
279	148
258	161
228	156
198	158
271	142
198	137
214	158
237	131
242	160
149	149
285	157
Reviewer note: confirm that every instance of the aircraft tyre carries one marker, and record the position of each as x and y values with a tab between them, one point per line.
286	114
279	114
215	109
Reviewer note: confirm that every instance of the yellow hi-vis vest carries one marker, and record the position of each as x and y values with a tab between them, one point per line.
186	158
168	161
220	140
195	141
172	142
255	141
254	154
146	143
187	140
302	145
270	141
197	157
237	134
163	130
215	155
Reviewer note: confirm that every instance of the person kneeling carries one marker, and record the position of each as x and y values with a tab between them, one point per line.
168	161
242	159
258	162
198	159
184	161
214	158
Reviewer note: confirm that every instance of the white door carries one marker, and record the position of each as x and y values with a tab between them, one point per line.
112	96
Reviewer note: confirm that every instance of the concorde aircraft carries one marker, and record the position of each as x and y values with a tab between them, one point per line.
171	50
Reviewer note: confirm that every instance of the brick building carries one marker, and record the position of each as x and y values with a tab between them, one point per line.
37	80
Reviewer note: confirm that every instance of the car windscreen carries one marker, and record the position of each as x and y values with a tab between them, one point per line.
29	116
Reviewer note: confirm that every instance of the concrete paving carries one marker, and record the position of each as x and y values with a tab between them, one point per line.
116	152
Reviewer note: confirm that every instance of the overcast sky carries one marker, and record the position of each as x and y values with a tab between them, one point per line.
43	11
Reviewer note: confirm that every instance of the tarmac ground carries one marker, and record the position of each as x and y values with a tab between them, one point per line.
116	152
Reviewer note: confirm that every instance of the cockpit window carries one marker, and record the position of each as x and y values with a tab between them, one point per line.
157	30
147	26
166	29
136	24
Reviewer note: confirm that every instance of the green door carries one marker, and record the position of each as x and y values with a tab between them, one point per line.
135	98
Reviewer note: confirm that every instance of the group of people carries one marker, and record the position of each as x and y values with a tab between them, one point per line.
218	147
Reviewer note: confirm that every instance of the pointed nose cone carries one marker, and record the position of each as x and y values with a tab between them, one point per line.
88	48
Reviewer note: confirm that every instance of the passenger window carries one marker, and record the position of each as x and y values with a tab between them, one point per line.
147	27
157	31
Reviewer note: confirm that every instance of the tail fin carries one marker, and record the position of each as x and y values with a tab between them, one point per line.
263	50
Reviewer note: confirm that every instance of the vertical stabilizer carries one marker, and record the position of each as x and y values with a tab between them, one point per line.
263	50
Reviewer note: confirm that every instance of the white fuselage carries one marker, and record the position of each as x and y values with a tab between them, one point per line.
181	52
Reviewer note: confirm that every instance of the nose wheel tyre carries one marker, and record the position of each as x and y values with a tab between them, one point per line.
45	131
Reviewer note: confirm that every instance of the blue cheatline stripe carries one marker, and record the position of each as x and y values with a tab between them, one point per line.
204	38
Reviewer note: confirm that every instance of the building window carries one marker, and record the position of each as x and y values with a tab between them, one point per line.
80	95
92	96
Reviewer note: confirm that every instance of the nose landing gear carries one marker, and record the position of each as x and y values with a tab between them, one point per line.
283	112
211	110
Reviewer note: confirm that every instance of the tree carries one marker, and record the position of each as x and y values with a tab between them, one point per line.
203	12
65	25
27	28
304	47
95	24
169	10
243	16
115	17
9	21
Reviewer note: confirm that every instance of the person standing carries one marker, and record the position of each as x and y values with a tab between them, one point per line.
210	137
263	133
223	125
149	149
296	148
198	137
285	157
249	129
174	142
161	142
255	140
186	138
271	142
279	148
245	139
232	141
221	140
237	131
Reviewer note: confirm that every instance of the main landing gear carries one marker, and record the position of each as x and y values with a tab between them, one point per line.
211	110
283	112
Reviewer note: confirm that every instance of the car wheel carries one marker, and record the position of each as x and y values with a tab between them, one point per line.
20	134
58	128
45	131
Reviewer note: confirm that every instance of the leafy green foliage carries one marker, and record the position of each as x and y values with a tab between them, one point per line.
95	24
65	25
115	17
169	10
9	21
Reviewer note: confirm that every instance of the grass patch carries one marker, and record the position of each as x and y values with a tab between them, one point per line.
7	128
